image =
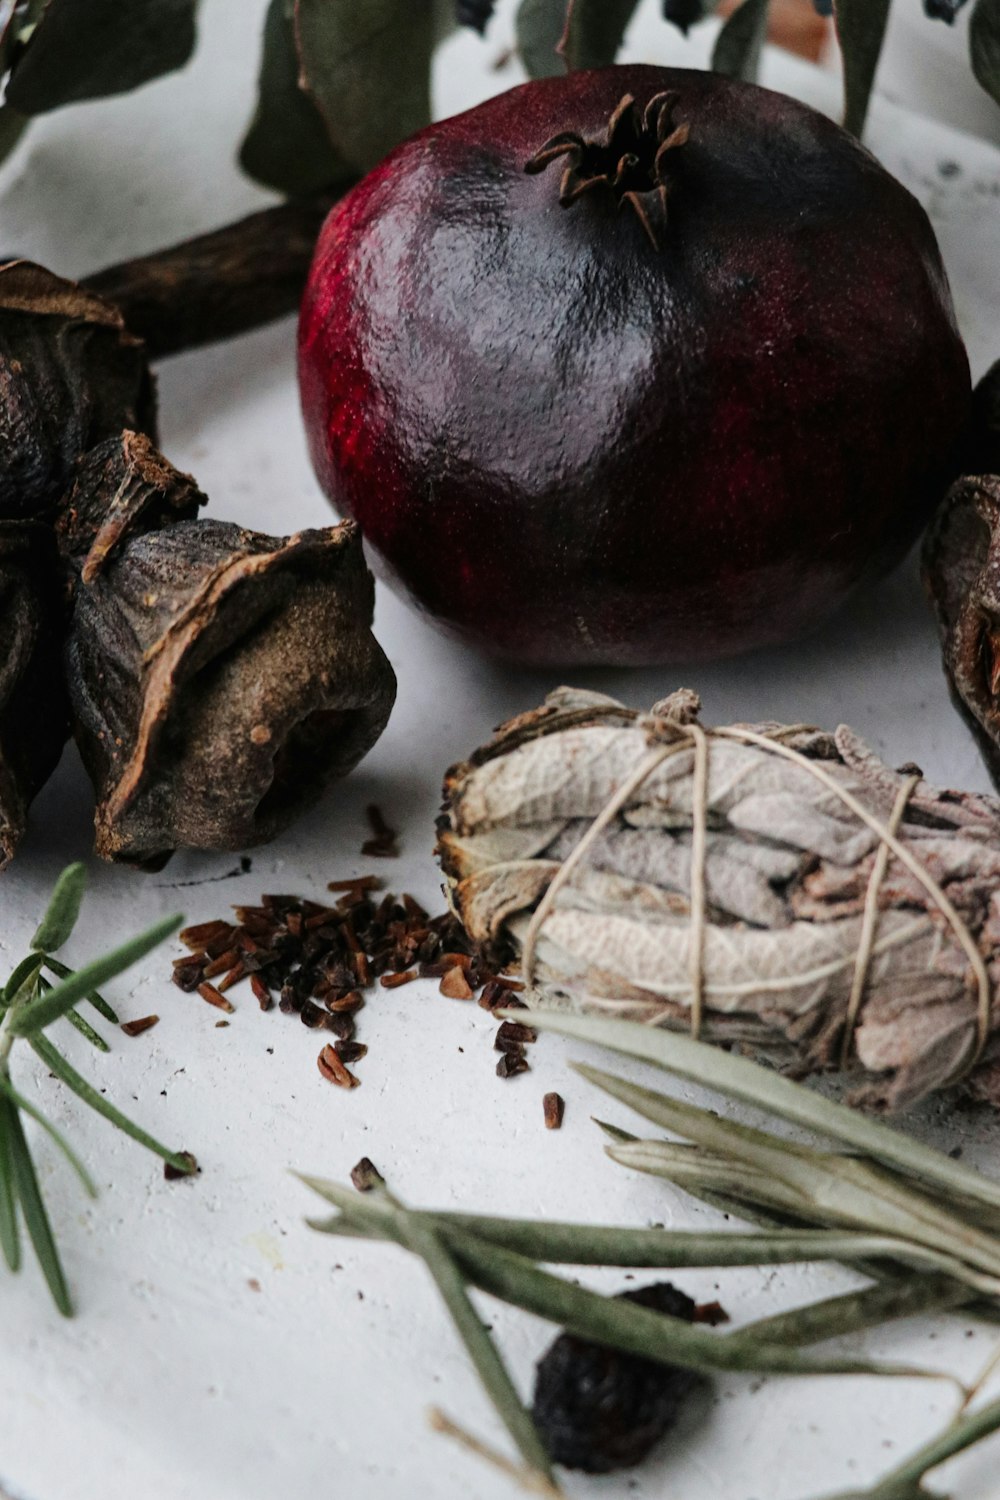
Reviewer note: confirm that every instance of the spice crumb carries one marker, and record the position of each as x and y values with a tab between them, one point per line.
136	1028
554	1107
334	1071
455	986
512	1063
210	993
393	981
174	1174
366	1175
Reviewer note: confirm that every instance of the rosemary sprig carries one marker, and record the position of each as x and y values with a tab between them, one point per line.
29	1005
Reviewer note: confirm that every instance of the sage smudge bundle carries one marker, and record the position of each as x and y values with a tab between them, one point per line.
774	887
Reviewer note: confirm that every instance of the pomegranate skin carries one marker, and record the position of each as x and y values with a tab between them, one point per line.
571	447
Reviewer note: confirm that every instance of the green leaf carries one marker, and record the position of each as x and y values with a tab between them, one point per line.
984	42
58	922
34	1018
541	26
861	26
62	971
89	50
368	68
739	1078
35	1217
25	974
288	147
62	1068
10	1243
853	1312
741	41
595	31
25	1105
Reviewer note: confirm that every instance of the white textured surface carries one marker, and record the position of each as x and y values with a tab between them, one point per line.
179	1380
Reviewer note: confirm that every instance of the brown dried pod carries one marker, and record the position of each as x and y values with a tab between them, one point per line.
34	716
219	679
71	375
767	886
961	565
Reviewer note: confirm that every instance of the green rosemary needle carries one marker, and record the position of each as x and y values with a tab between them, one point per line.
29	1005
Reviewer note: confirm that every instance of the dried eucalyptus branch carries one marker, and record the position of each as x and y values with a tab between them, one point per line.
28	1006
775	887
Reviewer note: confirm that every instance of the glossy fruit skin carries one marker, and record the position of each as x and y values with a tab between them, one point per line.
570	447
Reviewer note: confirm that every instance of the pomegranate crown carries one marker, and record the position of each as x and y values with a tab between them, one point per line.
632	162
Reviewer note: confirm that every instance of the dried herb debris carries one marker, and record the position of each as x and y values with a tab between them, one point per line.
319	961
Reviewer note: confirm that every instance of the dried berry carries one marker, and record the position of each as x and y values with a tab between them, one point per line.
597	1409
739	327
218	678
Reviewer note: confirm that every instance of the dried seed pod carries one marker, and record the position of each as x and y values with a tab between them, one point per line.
780	853
34	715
70	376
218	679
961	563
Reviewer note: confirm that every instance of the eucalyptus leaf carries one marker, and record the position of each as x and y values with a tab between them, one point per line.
368	69
24	975
88	50
740	42
64	1070
10	1241
34	1018
541	26
36	1218
984	43
595	31
288	147
861	27
59	920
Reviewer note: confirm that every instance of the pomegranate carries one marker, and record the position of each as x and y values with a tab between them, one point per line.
632	365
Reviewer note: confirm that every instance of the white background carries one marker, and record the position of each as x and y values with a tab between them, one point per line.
180	1379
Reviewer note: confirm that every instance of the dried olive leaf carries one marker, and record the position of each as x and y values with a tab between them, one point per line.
541	27
368	68
861	27
288	146
595	30
34	716
218	679
984	42
961	559
741	40
86	49
70	376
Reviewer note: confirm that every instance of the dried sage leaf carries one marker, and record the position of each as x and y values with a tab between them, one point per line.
34	716
71	375
787	868
219	679
77	51
288	146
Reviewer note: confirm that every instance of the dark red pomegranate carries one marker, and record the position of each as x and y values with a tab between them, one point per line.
622	379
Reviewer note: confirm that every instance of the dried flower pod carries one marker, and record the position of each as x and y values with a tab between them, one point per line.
34	717
961	563
70	376
741	902
218	679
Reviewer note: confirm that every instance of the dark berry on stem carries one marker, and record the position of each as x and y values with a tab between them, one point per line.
597	1409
